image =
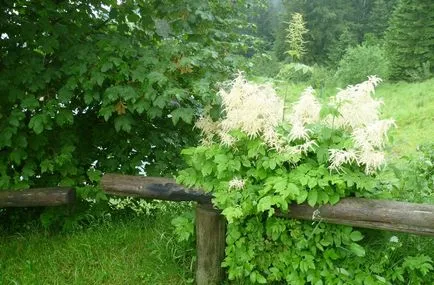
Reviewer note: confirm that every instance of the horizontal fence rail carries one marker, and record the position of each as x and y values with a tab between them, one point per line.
37	197
211	225
358	212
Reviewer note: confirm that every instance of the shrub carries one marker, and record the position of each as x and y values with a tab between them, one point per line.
295	72
264	64
321	77
416	179
361	61
255	163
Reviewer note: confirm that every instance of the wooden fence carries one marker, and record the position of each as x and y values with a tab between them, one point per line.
211	225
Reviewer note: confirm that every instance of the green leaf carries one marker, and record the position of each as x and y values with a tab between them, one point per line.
334	198
106	66
186	114
293	190
356	236
260	279
123	123
30	103
312	197
94	175
302	196
37	123
156	77
357	249
265	204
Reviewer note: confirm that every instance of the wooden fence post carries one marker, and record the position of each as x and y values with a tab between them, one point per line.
210	245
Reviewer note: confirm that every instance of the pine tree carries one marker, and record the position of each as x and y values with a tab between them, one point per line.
410	38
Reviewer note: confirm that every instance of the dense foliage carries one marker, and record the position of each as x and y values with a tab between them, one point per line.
361	61
329	22
255	163
410	39
99	86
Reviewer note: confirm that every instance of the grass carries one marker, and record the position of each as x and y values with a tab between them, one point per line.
412	106
128	251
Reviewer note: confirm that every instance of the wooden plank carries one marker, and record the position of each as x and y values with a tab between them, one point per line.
371	214
357	212
151	187
210	245
37	197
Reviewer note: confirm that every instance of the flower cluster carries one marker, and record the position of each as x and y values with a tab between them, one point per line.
236	183
252	108
256	110
359	114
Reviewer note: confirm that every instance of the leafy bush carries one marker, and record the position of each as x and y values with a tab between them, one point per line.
361	61
321	77
264	64
416	177
295	72
255	164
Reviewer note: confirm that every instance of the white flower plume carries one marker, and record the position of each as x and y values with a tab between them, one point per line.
237	184
356	106
339	157
252	108
305	111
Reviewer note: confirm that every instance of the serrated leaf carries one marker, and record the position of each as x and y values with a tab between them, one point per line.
94	175
37	123
29	102
186	114
293	190
334	198
302	196
265	204
106	66
156	77
123	123
312	197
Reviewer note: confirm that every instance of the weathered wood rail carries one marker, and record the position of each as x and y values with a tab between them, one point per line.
210	226
37	197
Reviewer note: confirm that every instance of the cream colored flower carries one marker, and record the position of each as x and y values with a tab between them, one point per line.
237	184
307	109
339	157
304	148
252	108
226	139
372	160
356	106
372	136
298	131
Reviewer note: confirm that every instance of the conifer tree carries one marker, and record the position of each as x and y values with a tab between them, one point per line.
410	38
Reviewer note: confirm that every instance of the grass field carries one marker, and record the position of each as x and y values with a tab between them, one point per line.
142	250
137	250
411	105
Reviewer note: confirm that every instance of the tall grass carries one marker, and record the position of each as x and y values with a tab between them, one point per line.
412	106
126	251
